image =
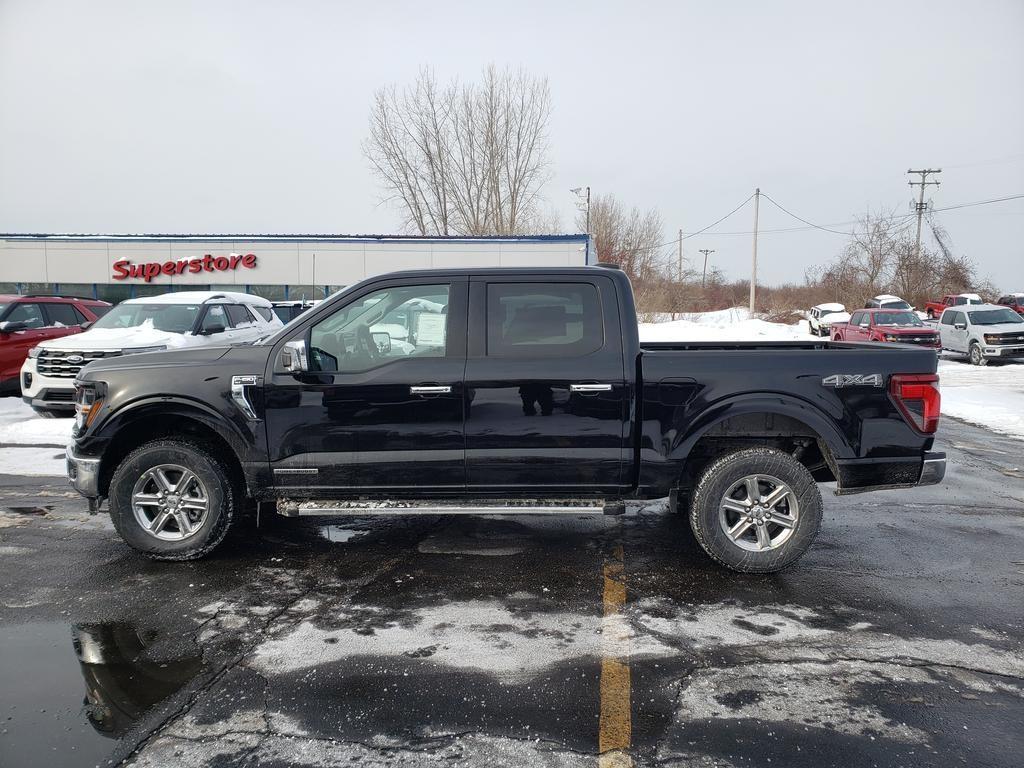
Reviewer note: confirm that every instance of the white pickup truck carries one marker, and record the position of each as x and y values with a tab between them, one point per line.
983	332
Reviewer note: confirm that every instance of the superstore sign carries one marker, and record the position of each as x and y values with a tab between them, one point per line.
125	269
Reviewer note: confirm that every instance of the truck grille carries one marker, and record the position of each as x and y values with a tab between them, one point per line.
920	339
66	364
1007	338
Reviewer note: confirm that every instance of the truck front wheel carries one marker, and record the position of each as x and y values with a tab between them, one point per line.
756	510
172	500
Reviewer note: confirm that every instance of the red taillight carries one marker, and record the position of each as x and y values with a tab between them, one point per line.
917	397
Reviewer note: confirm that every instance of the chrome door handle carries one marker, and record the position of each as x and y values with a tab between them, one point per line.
430	390
590	387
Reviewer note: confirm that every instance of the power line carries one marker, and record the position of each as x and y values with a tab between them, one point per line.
730	213
798	218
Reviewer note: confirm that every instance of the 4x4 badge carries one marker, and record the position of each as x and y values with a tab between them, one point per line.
841	380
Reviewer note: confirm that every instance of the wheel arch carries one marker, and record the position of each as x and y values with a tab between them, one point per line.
780	421
146	421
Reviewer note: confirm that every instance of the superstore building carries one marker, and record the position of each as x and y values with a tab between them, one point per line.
277	267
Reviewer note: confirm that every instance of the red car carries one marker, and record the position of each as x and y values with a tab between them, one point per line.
894	325
1014	301
936	308
25	321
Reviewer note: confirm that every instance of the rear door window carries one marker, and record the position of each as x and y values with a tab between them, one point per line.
62	314
239	315
543	320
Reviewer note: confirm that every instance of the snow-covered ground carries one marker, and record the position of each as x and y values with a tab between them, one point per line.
724	325
30	445
991	396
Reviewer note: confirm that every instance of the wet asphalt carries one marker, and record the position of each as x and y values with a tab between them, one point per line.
896	641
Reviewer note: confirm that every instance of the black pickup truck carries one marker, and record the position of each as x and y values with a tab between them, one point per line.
499	391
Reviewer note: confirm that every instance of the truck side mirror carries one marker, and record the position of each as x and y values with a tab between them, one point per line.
383	341
961	326
212	327
293	357
10	326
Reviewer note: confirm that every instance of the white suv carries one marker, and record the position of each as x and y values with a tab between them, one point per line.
151	324
821	317
983	332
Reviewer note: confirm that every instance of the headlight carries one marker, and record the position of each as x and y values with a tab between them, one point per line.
890	337
88	401
991	339
34	352
140	350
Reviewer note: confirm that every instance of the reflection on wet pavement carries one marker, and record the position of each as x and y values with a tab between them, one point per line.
48	720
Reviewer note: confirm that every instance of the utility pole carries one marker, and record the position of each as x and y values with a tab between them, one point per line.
579	192
924	173
680	255
707	252
753	268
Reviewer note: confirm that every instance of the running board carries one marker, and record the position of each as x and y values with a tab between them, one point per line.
307	508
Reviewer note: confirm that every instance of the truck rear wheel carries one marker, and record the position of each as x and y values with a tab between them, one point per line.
172	500
756	510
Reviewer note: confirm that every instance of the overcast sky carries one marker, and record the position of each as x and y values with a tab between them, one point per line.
248	117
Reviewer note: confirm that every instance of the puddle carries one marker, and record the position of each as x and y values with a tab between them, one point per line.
30	510
339	535
68	692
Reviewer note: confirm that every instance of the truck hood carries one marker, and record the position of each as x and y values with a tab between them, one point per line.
1014	328
906	330
238	360
113	339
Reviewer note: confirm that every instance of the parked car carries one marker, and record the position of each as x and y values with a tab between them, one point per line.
887	301
151	324
26	321
1014	301
289	310
936	308
983	332
821	317
525	390
892	325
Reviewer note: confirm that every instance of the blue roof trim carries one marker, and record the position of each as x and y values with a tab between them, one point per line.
310	238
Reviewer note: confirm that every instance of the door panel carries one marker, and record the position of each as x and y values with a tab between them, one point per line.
369	429
526	427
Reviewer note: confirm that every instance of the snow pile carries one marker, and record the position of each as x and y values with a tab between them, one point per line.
30	445
734	324
991	396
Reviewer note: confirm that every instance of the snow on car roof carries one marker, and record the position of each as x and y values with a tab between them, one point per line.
970	296
887	297
833	307
197	297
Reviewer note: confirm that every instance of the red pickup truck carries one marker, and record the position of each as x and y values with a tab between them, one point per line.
1014	301
894	325
936	308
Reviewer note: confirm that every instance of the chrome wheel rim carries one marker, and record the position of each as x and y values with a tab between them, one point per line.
759	513
975	354
170	502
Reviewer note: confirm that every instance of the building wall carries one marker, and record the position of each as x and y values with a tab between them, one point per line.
338	261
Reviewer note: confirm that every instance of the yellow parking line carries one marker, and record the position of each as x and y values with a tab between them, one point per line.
615	724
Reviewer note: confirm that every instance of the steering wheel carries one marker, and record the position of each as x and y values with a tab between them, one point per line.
365	343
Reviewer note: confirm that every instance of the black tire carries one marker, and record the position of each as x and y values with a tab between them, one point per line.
975	356
220	493
725	472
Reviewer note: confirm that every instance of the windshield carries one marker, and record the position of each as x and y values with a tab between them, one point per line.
3	308
172	318
896	305
897	318
832	312
994	317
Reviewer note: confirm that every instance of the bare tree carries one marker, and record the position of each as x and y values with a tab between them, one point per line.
469	159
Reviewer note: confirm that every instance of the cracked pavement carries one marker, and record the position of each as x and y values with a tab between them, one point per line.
896	641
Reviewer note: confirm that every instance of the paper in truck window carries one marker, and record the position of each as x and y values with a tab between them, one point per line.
430	329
